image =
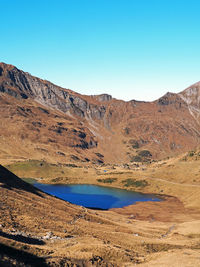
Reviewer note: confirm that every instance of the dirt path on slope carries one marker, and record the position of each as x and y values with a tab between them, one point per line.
175	183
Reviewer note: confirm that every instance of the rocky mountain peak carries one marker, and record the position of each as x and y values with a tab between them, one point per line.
171	99
191	95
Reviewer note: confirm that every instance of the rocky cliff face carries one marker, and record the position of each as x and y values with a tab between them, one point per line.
171	99
22	85
103	97
191	96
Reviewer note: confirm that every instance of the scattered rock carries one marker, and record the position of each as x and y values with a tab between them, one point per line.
136	234
132	216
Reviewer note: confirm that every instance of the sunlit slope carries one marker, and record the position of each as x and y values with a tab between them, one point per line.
40	120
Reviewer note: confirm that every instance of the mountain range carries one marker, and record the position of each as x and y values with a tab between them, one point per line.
58	136
41	120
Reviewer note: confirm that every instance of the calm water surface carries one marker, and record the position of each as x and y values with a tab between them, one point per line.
93	196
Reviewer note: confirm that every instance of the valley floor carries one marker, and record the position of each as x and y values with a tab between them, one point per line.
41	229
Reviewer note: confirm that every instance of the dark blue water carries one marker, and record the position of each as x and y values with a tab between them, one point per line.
93	196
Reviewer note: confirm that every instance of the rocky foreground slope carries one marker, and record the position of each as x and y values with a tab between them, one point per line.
41	119
37	229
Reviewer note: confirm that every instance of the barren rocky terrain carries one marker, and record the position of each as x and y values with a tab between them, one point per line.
55	135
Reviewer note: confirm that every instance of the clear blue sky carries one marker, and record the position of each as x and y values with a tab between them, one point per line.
132	49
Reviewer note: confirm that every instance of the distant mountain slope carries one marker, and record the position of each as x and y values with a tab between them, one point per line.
44	121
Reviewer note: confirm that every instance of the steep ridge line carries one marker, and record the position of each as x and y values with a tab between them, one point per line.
61	122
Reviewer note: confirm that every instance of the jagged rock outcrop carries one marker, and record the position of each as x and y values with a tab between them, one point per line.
191	96
21	84
171	99
103	97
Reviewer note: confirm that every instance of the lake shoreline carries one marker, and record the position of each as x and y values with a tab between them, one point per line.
157	183
168	209
96	196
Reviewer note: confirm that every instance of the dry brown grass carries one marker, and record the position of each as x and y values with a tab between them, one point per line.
136	234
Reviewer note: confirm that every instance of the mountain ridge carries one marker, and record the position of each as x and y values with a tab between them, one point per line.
119	130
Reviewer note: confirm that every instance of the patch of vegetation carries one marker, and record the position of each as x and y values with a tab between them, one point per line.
126	131
115	173
99	155
29	180
135	183
136	159
71	165
193	235
142	156
37	169
73	157
191	153
160	247
145	153
134	143
60	153
98	161
107	180
59	179
27	165
43	110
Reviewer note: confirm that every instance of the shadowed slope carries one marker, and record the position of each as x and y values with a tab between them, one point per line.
11	257
10	181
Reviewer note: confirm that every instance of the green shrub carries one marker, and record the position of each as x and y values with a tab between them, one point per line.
191	153
134	143
107	180
136	159
126	130
134	183
145	153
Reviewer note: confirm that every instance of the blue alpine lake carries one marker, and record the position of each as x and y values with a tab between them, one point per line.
96	197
